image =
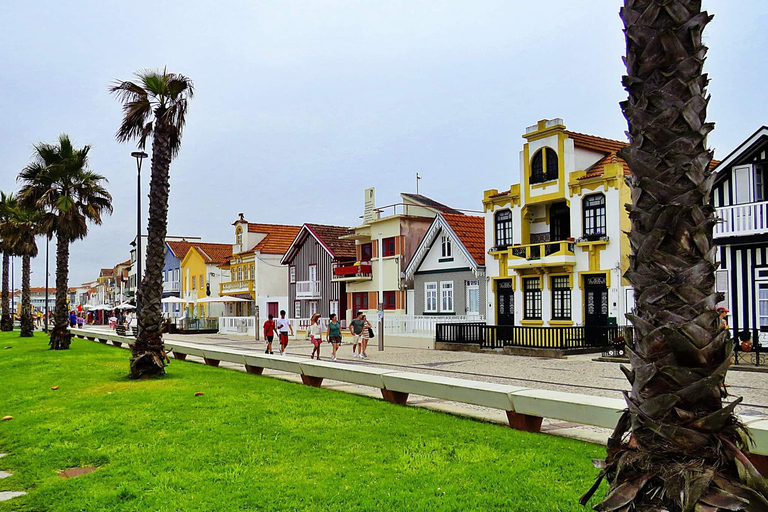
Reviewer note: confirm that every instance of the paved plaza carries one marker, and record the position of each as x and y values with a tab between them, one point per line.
575	374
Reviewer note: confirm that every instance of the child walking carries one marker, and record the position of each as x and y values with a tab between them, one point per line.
315	335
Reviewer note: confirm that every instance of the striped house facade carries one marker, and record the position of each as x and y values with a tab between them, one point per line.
315	252
740	196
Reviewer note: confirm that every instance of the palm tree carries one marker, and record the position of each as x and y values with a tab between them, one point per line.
68	197
7	203
677	447
18	227
154	105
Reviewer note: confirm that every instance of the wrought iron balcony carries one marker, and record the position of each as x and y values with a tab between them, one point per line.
542	255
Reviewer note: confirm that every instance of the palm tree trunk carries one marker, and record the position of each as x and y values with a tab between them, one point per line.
27	323
60	336
6	322
148	356
684	451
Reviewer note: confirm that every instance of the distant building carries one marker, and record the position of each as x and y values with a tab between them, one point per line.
740	194
131	284
202	277
254	266
400	228
448	268
310	259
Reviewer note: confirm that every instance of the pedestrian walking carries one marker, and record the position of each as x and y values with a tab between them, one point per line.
334	334
283	327
356	330
72	319
112	321
367	335
315	335
79	321
269	333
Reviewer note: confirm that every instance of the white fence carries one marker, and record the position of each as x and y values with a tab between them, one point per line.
245	325
421	326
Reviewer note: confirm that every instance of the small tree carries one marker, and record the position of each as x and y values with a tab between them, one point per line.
19	225
157	106
68	196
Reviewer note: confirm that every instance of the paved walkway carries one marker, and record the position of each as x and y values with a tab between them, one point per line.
575	374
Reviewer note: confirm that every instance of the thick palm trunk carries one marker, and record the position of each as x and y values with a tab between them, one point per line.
148	352
60	336
685	450
27	323
6	322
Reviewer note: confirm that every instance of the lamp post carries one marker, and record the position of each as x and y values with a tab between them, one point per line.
45	325
139	156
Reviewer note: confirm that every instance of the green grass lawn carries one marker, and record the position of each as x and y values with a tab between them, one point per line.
254	443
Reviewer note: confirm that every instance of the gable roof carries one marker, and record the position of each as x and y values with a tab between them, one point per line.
744	147
330	237
278	237
430	203
211	253
467	230
470	230
179	248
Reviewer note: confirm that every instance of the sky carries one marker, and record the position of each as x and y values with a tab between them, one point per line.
299	106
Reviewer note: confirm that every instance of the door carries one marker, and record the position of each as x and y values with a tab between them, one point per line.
312	308
595	310
473	299
559	226
505	309
273	309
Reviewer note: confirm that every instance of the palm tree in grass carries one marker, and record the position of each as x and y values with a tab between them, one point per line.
7	204
156	105
678	447
68	196
18	227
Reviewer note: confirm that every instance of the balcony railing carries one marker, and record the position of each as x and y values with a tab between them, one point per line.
171	286
538	251
307	289
236	287
360	271
742	220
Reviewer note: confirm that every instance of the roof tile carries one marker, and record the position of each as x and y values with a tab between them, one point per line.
471	231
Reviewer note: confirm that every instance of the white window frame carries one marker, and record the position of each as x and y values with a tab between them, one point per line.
762	320
297	309
312	272
446	249
447	297
430	292
292	274
473	286
333	307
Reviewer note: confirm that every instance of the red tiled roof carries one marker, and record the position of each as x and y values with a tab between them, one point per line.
331	238
213	253
106	272
279	237
471	231
180	249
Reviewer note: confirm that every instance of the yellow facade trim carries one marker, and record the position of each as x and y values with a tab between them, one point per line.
510	278
532	323
560	323
591	273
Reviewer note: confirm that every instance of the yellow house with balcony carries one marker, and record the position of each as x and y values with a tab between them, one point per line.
556	240
201	276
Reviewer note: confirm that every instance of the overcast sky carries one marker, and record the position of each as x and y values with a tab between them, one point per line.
299	106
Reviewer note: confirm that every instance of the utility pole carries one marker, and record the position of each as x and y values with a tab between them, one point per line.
381	291
418	177
45	324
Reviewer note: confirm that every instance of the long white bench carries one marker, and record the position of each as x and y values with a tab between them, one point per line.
525	407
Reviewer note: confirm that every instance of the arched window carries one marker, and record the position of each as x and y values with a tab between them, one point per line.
239	235
503	228
594	215
544	166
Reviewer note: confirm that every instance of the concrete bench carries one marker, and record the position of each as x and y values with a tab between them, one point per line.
182	350
584	409
255	363
316	371
484	394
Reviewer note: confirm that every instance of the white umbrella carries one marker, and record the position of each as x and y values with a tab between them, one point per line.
126	305
173	300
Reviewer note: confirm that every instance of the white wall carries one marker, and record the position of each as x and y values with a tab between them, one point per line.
432	260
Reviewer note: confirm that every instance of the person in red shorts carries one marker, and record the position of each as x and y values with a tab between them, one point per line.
269	333
283	327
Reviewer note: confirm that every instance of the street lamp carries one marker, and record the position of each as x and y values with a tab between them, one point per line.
139	156
47	243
